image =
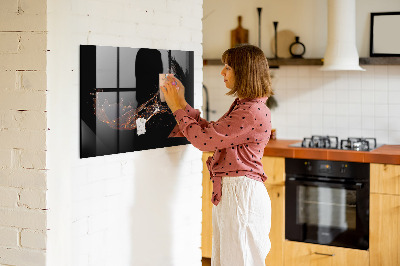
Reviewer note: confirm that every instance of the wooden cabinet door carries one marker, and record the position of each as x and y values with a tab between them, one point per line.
385	178
277	233
206	226
384	237
304	254
274	168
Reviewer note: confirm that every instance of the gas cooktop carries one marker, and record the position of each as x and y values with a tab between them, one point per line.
332	142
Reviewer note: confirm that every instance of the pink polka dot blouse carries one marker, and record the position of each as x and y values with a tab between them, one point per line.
238	139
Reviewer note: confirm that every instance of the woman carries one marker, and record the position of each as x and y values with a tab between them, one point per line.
242	208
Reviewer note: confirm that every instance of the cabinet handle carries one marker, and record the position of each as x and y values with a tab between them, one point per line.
324	254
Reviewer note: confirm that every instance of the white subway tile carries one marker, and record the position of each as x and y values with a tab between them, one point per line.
342	96
382	110
382	123
394	97
394	83
304	82
354	80
380	71
382	136
381	97
367	96
394	123
329	109
292	83
394	110
368	110
342	122
394	137
380	84
342	80
304	72
291	71
355	132
342	109
355	96
368	123
355	122
394	71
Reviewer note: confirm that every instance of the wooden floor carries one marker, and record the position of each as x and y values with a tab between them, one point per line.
206	261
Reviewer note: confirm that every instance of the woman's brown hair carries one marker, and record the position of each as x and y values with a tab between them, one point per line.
250	66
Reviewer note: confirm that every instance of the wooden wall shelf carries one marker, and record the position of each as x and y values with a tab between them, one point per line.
380	61
273	63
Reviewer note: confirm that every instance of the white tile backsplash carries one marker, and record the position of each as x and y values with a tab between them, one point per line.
343	103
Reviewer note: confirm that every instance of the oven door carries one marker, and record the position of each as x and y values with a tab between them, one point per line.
327	213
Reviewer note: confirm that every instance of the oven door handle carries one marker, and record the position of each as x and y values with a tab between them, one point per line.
357	185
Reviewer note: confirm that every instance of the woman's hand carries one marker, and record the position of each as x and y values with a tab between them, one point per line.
174	93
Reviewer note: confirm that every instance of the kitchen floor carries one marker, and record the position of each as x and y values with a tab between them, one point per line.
206	261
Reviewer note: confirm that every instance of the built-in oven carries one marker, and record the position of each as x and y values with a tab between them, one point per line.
327	202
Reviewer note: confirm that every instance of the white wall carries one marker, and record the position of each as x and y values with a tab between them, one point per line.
306	19
23	133
311	102
139	208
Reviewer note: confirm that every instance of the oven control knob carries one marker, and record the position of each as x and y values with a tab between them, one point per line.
308	166
343	168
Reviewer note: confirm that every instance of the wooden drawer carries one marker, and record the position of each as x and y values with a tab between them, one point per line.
304	254
385	178
274	168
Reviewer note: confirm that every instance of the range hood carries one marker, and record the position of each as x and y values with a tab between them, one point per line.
341	51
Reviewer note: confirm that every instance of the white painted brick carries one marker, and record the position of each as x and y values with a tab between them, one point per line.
34	140
191	22
8	6
33	199
23	100
8	197
7	80
17	256
98	222
19	217
33	239
34	120
31	55
8	237
22	22
9	42
33	159
31	80
5	158
23	178
37	7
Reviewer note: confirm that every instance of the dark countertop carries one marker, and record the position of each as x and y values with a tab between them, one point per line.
389	154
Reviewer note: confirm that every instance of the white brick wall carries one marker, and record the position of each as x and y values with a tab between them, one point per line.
139	208
23	132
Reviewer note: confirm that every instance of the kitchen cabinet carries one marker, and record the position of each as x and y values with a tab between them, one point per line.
274	168
206	225
305	254
385	178
385	215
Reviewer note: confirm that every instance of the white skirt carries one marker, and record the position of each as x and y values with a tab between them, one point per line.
241	223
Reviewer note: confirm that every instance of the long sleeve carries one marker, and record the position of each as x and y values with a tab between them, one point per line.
231	130
193	113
